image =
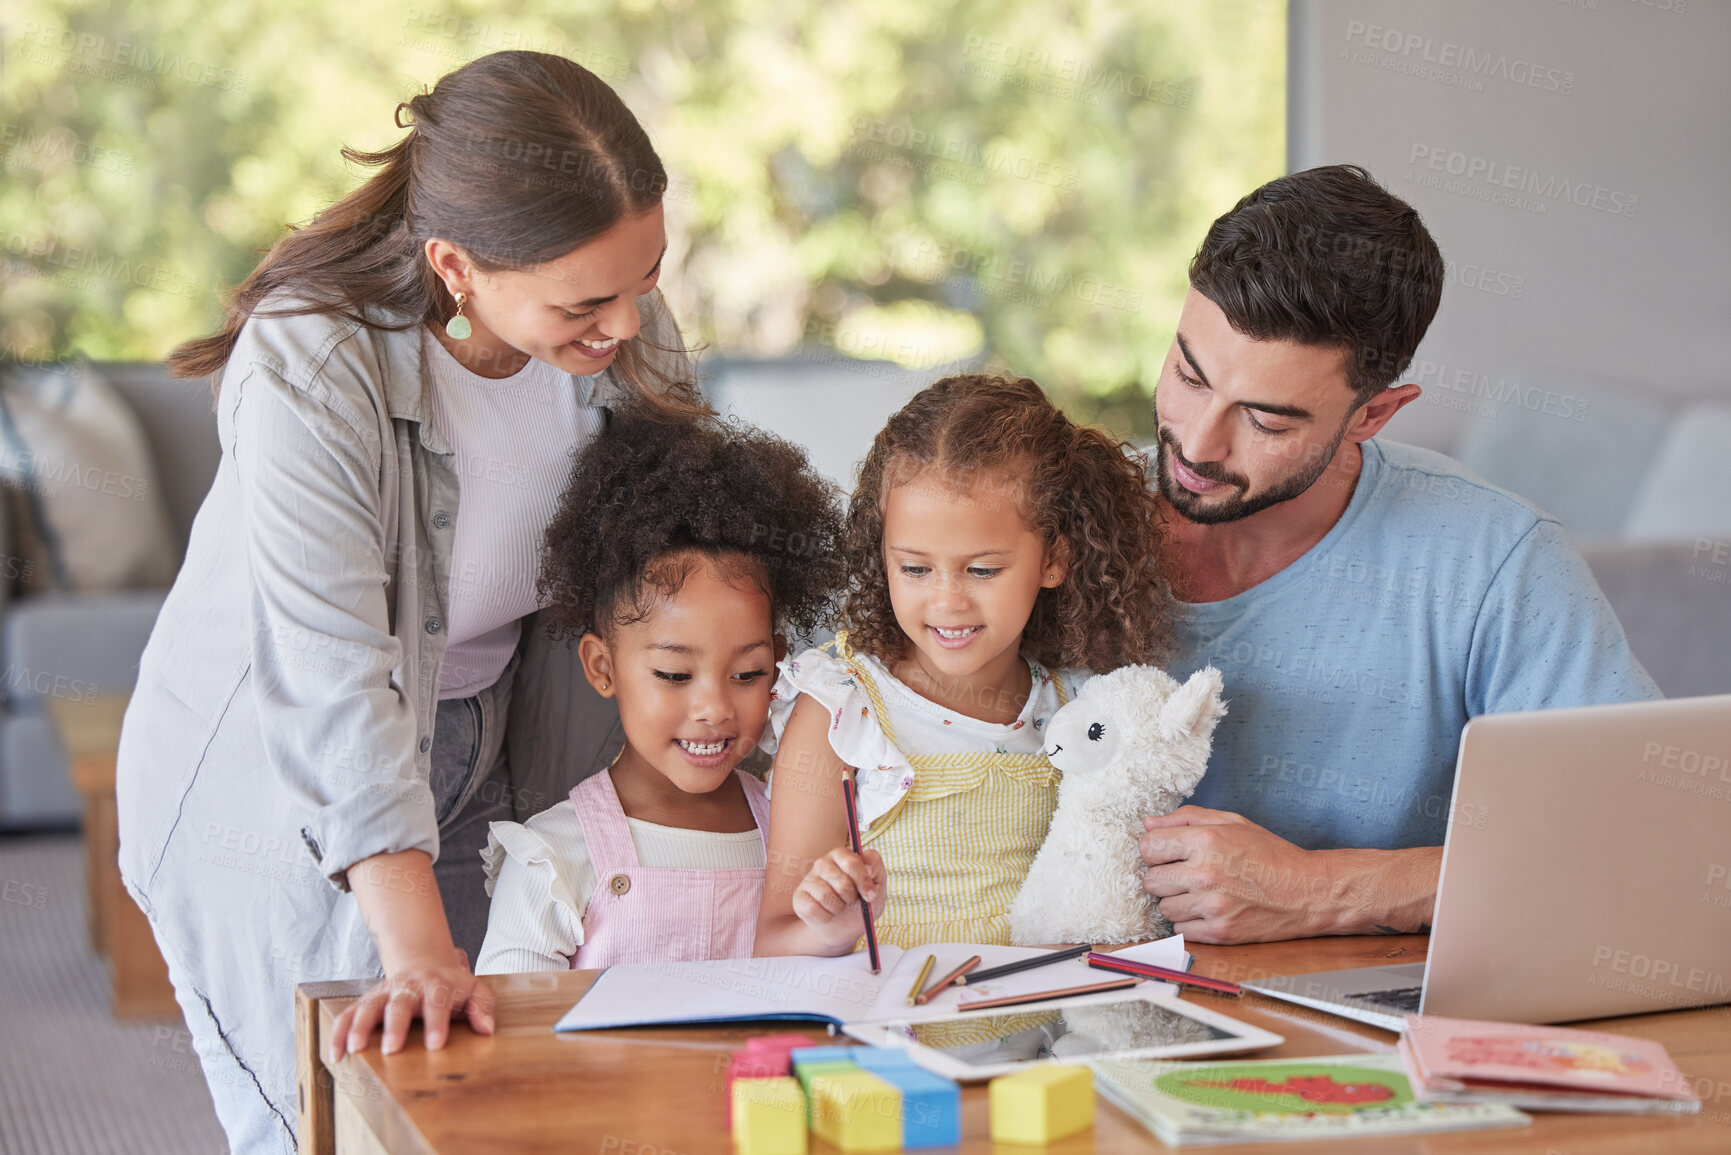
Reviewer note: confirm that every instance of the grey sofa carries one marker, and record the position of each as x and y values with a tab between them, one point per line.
77	645
1674	597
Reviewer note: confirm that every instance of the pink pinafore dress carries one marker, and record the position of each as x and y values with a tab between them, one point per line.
642	914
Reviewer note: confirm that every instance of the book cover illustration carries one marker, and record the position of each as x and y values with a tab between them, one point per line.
1218	1102
1557	1067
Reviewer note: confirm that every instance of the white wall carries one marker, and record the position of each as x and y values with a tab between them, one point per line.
1614	296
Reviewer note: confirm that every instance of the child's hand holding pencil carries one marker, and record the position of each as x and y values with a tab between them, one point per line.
828	898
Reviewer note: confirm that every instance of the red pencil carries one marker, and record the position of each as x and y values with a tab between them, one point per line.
1126	966
871	935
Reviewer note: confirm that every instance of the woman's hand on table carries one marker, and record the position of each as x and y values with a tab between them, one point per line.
426	977
430	990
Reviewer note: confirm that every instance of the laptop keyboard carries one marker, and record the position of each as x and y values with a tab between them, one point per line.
1405	999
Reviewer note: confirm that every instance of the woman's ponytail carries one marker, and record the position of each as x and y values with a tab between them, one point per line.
358	251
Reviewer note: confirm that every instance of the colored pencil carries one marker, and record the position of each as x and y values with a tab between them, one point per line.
871	935
937	988
920	983
1026	964
1126	966
1040	996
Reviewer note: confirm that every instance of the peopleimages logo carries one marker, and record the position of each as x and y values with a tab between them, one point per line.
1661	977
1485	177
1458	58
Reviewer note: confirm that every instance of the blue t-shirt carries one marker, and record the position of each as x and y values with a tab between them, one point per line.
1349	674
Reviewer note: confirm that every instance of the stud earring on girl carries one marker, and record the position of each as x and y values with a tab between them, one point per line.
458	327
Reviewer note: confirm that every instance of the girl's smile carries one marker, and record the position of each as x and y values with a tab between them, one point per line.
964	571
957	637
707	754
692	677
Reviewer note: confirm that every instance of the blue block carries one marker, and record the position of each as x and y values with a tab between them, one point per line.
884	1058
931	1105
806	1056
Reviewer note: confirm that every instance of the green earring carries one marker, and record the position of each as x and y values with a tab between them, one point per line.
458	327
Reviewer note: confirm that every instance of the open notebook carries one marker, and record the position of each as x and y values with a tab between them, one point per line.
825	990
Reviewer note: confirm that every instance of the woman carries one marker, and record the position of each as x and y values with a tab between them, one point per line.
319	712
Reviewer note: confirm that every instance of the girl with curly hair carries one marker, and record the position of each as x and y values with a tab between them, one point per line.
990	543
677	557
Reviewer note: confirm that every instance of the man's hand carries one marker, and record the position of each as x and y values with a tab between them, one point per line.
1221	878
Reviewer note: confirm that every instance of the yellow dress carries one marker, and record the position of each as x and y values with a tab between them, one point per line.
958	829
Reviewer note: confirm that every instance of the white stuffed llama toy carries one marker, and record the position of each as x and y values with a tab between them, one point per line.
1133	742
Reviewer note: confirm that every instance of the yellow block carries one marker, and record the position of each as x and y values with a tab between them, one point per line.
856	1111
768	1117
1042	1104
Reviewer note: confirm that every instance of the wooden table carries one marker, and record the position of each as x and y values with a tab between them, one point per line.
89	730
659	1092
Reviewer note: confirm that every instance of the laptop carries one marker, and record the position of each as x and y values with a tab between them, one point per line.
1586	873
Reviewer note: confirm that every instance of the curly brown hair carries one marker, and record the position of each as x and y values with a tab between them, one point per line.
1079	489
650	496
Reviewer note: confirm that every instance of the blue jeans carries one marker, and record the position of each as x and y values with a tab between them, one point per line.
471	783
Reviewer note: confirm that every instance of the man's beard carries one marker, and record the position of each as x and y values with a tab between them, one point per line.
1216	511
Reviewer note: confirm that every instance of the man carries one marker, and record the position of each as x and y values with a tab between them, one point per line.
1363	599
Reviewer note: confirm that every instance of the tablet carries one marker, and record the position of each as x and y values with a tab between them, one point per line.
1137	1024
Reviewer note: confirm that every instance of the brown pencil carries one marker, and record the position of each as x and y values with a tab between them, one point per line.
937	988
1039	996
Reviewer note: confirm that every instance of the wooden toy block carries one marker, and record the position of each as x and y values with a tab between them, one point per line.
807	1055
749	1064
856	1111
777	1043
1042	1103
768	1117
931	1105
806	1072
884	1058
764	1064
810	1071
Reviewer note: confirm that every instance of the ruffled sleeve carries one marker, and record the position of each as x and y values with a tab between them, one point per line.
540	879
1069	682
884	774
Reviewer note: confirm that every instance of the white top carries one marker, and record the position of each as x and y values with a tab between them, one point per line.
513	439
541	880
921	726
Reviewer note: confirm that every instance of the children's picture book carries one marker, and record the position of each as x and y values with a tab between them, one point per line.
1540	1068
837	991
1335	1097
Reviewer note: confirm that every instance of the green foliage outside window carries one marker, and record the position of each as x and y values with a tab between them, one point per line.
920	180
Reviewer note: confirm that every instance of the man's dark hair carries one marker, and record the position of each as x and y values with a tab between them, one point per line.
1326	257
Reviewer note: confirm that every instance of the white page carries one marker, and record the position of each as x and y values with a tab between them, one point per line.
790	986
838	990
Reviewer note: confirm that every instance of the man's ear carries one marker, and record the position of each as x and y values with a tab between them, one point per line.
597	659
780	648
1377	412
1055	564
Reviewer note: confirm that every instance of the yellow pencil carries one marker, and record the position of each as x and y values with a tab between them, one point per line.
920	983
937	988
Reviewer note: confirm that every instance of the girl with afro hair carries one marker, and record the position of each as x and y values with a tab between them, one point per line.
681	555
